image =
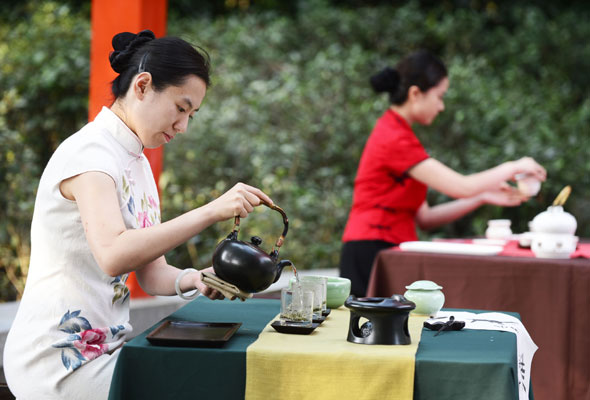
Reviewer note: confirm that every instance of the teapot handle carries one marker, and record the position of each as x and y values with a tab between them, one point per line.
280	240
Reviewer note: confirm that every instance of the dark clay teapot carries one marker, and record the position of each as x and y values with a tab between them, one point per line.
246	265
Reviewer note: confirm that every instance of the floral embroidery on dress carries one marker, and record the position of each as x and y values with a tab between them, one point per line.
153	203
82	343
150	212
121	290
127	194
142	218
131	206
116	329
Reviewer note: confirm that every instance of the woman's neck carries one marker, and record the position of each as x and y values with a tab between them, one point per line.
403	111
120	112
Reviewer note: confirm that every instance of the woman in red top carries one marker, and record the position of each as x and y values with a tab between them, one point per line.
395	171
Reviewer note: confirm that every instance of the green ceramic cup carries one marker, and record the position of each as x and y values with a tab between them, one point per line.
338	291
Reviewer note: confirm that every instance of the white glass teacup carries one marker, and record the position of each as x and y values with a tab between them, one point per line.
319	285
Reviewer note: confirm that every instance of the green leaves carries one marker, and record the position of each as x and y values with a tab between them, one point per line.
43	99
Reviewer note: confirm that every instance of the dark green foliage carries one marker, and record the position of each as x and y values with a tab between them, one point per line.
214	8
290	109
44	60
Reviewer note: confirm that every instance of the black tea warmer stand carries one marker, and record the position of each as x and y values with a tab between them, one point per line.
387	319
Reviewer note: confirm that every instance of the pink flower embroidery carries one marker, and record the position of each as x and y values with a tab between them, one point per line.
153	202
143	219
91	344
93	336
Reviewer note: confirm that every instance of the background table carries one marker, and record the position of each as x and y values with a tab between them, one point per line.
458	365
551	296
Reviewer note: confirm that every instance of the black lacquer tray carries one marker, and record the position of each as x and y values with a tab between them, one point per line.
193	334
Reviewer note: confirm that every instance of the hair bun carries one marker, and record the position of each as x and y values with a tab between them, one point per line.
387	80
125	44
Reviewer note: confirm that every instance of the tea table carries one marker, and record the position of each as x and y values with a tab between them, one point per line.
464	364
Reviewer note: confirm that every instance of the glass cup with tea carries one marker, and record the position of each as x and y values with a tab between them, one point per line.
320	293
297	306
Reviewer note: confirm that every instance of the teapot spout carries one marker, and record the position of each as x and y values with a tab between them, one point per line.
282	264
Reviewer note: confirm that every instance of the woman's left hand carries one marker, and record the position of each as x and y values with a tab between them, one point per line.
206	290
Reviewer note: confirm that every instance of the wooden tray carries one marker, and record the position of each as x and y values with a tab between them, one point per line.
193	334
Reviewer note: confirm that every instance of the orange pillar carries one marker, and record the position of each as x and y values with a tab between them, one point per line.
109	17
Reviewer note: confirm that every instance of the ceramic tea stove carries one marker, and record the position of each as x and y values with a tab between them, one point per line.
387	320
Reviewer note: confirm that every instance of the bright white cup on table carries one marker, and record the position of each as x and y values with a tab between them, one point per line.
499	229
296	306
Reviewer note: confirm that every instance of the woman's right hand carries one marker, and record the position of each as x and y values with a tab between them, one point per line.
240	200
527	165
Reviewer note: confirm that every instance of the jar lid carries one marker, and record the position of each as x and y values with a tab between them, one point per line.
554	220
424	285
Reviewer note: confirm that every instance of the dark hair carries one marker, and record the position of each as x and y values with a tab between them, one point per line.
421	68
170	60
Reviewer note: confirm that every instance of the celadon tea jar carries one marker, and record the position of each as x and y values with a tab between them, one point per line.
427	296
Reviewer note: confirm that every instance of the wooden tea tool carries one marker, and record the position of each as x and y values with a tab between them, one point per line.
562	196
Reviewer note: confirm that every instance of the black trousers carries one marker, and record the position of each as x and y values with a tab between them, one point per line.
356	262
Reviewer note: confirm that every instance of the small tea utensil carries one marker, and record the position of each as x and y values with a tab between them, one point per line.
440	326
562	196
445	325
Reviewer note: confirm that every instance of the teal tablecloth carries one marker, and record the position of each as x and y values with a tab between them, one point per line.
454	365
467	364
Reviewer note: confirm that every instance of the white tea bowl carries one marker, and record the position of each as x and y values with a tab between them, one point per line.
528	185
553	245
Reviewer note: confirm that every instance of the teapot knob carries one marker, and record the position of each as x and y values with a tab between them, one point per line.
256	241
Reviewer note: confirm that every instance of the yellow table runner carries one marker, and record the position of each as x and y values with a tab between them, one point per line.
324	365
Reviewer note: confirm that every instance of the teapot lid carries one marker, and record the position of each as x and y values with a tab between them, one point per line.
424	285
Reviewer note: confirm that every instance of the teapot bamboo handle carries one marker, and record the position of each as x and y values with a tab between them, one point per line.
281	239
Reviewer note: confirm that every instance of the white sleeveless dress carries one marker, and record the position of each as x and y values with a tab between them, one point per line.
73	317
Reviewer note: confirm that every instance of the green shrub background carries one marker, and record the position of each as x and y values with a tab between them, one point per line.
290	110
